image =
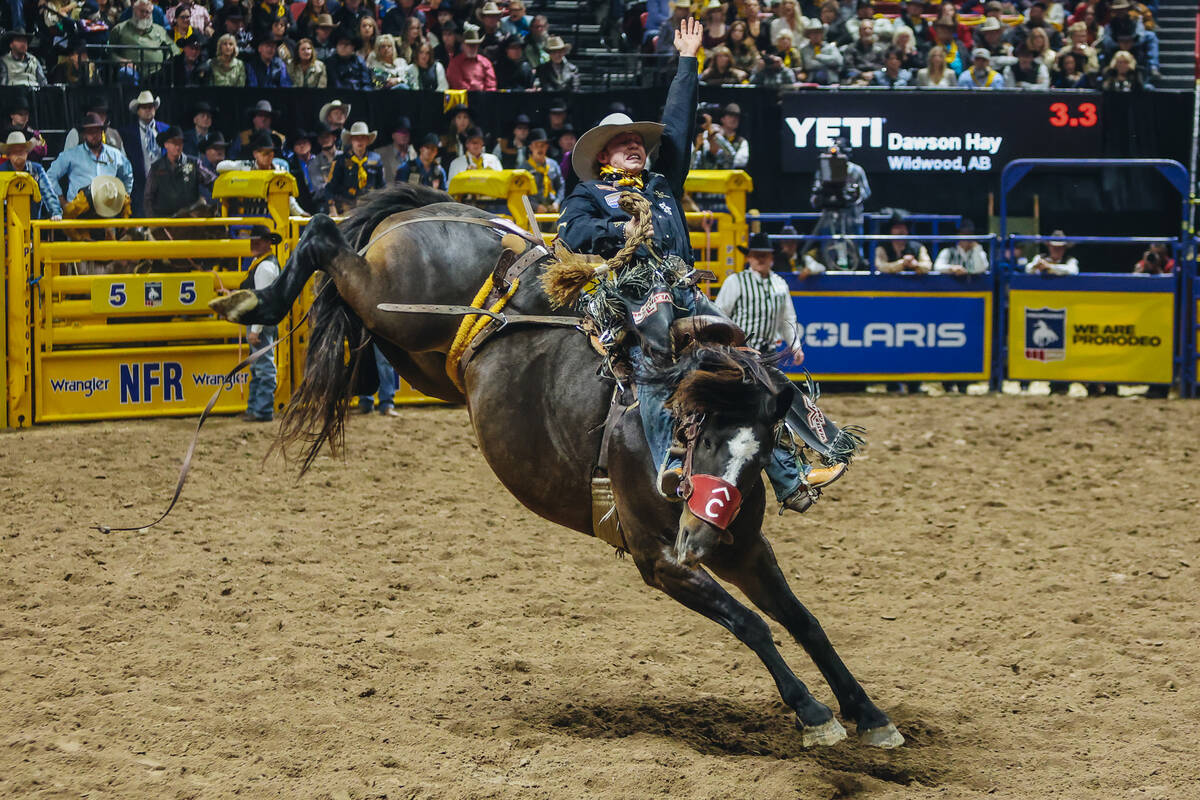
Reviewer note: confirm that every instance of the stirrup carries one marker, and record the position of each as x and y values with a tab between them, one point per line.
668	482
800	500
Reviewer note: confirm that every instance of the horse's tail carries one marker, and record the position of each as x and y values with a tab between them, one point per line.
316	414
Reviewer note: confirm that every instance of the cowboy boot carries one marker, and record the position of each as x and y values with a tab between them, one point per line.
670	474
802	499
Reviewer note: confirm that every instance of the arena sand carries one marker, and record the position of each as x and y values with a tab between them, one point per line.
1013	579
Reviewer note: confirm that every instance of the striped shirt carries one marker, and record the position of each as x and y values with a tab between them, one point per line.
762	307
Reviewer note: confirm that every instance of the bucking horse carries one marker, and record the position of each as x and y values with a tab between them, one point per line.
542	411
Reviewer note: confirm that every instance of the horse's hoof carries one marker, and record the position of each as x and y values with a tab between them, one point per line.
235	305
886	737
825	735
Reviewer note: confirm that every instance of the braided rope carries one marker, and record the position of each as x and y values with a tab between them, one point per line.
471	325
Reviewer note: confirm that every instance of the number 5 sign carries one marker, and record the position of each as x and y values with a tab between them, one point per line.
141	294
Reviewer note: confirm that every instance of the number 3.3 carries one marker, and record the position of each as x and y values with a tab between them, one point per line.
1060	116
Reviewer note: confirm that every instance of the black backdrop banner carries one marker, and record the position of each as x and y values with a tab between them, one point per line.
1146	125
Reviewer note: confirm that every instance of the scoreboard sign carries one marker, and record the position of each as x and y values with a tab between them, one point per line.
942	131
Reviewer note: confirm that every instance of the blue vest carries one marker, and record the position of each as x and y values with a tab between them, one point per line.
597	201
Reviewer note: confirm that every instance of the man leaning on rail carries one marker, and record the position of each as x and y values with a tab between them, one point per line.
611	159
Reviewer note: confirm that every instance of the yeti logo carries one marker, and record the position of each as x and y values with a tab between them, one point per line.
1045	334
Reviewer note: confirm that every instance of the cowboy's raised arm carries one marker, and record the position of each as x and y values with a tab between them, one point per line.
679	114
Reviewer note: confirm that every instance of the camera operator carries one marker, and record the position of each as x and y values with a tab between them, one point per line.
1155	261
718	147
839	190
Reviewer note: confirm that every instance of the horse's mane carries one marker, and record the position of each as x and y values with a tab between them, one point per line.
382	204
715	379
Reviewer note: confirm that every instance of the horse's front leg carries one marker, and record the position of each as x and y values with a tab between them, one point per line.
696	589
750	565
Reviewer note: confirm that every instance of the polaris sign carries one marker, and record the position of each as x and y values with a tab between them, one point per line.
929	334
930	131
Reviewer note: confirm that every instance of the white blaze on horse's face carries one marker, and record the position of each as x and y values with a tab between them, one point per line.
743	447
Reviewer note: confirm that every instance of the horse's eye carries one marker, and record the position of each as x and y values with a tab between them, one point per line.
707	443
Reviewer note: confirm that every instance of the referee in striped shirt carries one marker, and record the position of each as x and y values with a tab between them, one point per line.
758	301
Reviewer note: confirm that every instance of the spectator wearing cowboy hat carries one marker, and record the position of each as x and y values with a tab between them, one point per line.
722	146
334	115
18	67
944	33
262	117
967	257
470	69
18	120
513	150
788	257
398	151
75	69
141	143
664	44
16	149
266	13
201	127
513	72
190	68
901	255
357	171
345	68
547	176
99	107
492	38
267	70
211	149
980	75
142	40
558	74
174	180
322	37
474	157
425	169
92	158
1055	260
327	151
821	61
302	162
990	36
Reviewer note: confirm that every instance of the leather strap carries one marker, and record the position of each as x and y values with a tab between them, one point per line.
615	410
504	319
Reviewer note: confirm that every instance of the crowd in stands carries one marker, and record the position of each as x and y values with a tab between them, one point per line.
495	45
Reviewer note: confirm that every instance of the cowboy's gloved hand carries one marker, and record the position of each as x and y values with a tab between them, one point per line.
687	38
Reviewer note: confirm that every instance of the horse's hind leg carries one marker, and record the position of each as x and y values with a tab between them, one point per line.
696	589
751	566
321	243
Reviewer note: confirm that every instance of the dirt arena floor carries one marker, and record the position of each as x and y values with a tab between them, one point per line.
1013	578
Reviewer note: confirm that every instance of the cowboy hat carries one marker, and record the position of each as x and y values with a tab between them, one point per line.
213	141
555	43
759	243
17	33
323	114
172	132
583	157
1057	240
358	129
489	9
145	98
91	120
325	21
471	35
262	107
990	24
262	140
538	135
108	195
981	52
15	139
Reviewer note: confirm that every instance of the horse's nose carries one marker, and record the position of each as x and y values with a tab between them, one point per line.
696	539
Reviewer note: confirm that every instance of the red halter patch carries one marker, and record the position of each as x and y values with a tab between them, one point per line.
714	501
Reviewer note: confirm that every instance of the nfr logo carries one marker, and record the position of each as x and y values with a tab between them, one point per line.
823	132
1045	334
139	381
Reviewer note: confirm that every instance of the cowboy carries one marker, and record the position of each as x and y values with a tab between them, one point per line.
981	75
345	67
302	162
267	71
104	198
141	143
16	150
81	164
611	159
357	171
99	107
264	151
212	152
262	272
469	70
398	151
558	74
334	115
18	67
191	67
546	174
202	121
425	169
18	120
474	157
262	117
489	17
760	302
174	180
